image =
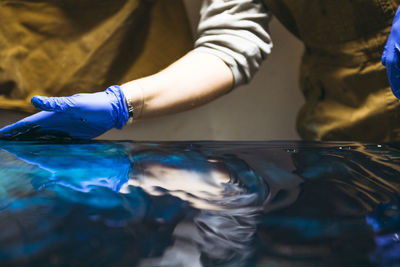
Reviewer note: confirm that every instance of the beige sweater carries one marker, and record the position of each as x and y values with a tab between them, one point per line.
237	32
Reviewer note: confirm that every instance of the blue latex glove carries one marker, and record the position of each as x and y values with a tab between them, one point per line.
391	55
81	116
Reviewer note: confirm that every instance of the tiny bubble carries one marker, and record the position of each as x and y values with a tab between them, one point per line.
160	220
396	237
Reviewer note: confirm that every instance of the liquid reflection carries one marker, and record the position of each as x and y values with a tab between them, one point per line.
88	195
385	221
327	225
210	204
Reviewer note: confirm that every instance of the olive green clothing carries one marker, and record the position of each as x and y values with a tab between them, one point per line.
346	90
347	94
60	47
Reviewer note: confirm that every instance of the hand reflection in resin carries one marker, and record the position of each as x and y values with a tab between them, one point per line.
123	188
76	171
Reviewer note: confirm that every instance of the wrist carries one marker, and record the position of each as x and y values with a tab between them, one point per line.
134	99
129	105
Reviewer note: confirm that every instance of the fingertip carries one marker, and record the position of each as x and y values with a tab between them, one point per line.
7	131
41	103
36	100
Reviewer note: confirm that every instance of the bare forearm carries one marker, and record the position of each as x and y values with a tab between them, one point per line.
193	80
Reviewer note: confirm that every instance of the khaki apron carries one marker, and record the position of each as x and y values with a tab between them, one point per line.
62	47
346	90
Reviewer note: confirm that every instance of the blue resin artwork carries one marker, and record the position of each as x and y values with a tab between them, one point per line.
125	203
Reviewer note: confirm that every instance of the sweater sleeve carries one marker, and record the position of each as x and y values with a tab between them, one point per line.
237	32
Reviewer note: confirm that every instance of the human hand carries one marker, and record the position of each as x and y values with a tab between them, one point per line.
391	55
81	116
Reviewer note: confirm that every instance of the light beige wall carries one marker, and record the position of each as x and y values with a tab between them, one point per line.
263	110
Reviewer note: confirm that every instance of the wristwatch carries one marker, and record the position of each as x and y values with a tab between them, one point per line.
134	100
131	109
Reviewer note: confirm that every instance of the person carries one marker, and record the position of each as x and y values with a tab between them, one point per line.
346	90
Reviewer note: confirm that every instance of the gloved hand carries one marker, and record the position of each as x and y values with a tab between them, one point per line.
81	116
391	55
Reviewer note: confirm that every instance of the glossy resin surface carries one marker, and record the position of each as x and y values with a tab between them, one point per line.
199	204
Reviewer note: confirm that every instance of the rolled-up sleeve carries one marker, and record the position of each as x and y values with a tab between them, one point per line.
237	32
